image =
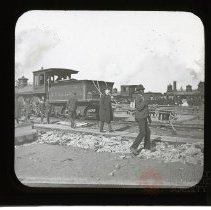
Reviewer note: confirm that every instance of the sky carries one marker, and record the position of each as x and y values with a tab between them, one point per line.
124	47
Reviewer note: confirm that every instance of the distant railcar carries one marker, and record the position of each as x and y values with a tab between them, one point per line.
57	86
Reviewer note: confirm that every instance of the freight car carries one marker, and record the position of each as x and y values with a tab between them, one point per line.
57	85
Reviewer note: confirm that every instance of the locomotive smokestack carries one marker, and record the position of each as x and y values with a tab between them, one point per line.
175	86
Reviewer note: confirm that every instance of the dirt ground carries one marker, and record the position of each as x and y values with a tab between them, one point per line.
43	164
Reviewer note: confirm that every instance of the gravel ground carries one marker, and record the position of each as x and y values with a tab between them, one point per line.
62	157
185	153
53	165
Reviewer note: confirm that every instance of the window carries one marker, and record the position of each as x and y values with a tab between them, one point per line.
41	78
124	89
36	80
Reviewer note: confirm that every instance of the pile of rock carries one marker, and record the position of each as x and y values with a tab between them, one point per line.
98	143
186	153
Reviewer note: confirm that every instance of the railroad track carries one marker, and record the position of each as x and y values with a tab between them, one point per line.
133	123
166	124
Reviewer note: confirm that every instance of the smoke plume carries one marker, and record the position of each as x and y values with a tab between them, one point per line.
31	47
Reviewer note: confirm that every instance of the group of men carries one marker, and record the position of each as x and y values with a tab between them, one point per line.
44	109
18	108
142	117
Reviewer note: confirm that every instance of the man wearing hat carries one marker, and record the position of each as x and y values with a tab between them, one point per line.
142	118
105	110
72	106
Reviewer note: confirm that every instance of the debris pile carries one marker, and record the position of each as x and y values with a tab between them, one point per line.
98	143
185	153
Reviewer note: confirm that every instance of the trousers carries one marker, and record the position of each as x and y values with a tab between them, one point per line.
72	116
102	125
47	115
144	132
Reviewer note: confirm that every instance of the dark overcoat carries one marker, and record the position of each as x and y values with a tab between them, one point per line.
72	104
105	111
141	105
47	107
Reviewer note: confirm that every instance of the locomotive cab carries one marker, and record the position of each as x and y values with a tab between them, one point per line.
44	78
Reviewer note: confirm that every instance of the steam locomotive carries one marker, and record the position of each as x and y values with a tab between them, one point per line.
57	85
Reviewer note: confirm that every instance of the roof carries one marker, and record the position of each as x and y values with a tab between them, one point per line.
194	92
57	71
153	93
62	82
88	80
23	78
129	85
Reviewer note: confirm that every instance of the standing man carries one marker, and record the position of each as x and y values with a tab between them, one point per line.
47	110
105	111
72	106
42	110
27	109
142	117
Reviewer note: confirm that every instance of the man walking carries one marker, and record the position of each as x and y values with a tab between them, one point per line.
142	117
72	106
105	111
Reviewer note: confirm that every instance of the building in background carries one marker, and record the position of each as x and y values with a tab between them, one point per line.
193	96
153	95
174	86
188	88
169	88
128	90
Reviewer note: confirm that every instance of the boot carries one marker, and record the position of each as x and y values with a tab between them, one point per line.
134	151
109	128
101	126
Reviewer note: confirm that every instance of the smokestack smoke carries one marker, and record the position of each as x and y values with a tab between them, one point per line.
30	47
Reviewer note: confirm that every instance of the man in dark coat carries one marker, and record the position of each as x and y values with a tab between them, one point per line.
47	110
27	108
42	110
142	118
72	106
105	111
